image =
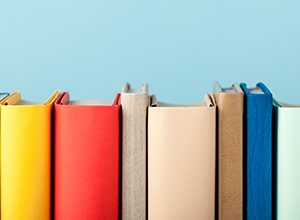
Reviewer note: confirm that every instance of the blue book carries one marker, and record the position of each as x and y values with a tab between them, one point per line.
258	107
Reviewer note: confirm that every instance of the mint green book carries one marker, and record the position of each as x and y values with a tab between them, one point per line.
288	160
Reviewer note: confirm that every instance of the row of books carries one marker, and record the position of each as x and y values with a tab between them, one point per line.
232	156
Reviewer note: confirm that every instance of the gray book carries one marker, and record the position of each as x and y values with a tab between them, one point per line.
134	121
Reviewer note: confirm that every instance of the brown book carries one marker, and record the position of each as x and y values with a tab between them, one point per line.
230	151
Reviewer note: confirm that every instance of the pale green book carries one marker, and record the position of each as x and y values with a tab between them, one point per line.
288	160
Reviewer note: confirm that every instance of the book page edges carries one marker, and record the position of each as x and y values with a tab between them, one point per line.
64	99
209	101
12	99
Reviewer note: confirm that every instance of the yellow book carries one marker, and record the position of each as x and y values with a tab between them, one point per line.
26	158
3	98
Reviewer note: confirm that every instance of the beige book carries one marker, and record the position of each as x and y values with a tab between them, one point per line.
230	151
134	117
181	160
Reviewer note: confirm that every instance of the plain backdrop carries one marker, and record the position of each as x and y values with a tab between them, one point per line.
180	48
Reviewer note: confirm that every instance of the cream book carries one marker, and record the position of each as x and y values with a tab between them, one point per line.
134	104
181	160
230	151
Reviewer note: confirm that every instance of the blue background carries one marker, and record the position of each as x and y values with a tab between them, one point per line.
90	48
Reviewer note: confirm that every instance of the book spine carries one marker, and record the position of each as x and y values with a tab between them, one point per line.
25	162
259	156
288	161
230	155
134	116
181	157
87	150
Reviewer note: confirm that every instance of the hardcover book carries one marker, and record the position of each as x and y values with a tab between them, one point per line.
181	160
230	106
26	131
258	108
134	129
288	178
86	159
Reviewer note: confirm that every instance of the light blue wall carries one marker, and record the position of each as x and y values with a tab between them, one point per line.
91	47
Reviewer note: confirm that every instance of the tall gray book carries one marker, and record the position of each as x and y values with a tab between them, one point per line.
134	121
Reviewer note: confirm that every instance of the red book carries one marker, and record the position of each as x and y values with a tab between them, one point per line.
86	159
